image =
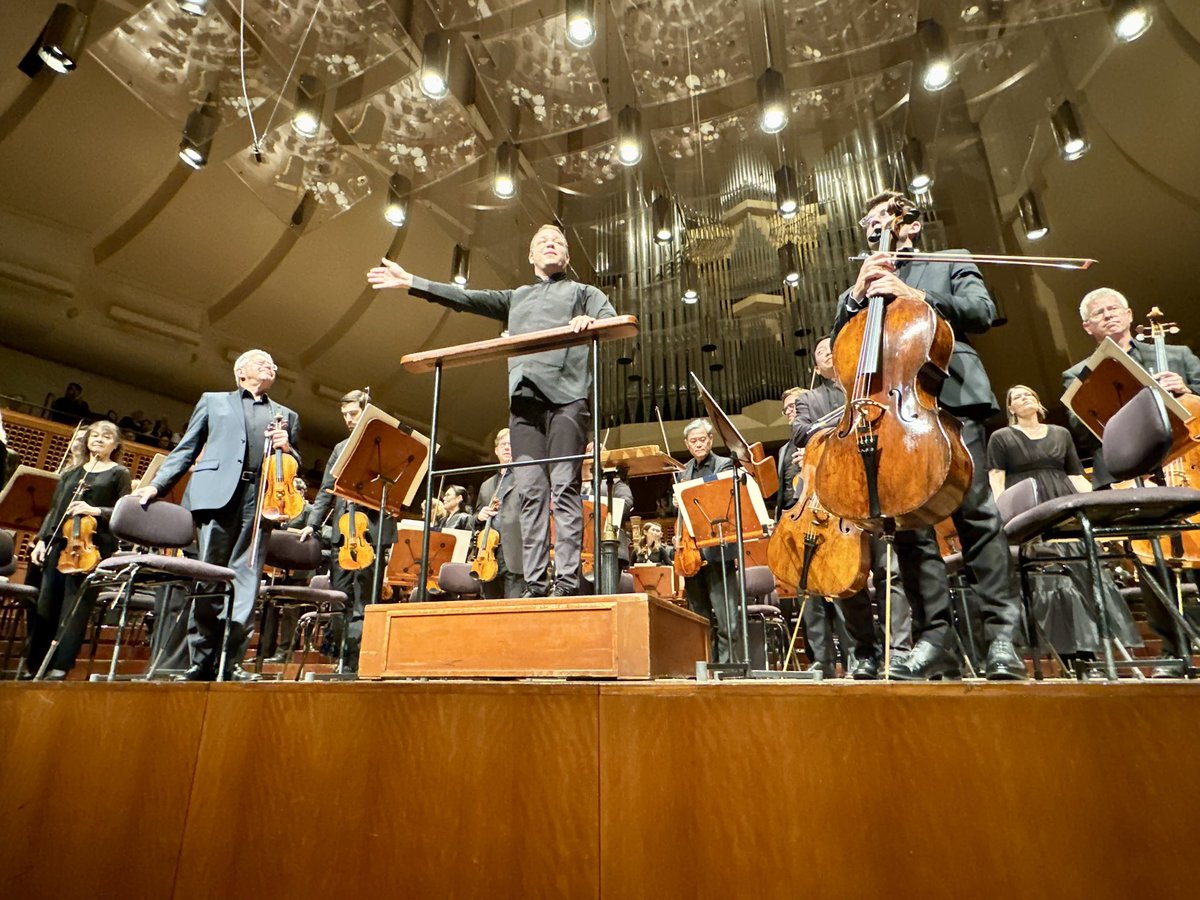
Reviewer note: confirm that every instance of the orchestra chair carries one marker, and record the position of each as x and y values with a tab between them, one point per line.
767	632
1136	442
319	601
457	583
153	529
14	598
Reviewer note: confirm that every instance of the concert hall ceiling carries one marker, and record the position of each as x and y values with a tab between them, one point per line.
117	258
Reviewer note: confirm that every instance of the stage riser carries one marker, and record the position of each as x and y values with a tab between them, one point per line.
584	790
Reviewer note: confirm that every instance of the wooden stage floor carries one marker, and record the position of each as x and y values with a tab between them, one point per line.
580	790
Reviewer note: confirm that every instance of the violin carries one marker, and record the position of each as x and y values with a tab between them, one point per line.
812	550
895	458
80	555
281	502
485	566
355	551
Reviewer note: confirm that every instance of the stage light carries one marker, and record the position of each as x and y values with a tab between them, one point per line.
581	23
787	191
460	265
194	7
939	67
1130	19
689	280
396	211
629	136
920	174
660	218
789	263
306	115
62	38
435	65
772	102
1031	217
504	181
1067	132
198	132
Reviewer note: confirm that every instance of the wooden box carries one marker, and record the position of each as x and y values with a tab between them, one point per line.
613	636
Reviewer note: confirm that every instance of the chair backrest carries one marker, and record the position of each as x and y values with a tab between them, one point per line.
1019	498
286	551
321	583
161	524
456	578
1138	437
759	581
7	552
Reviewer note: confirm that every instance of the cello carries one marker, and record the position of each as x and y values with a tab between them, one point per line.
895	458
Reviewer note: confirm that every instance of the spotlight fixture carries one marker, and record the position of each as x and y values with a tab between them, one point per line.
504	181
1130	19
194	7
772	102
581	23
435	65
198	132
660	219
789	263
787	191
1031	217
460	265
939	67
396	211
62	38
1067	133
306	116
920	177
629	136
689	280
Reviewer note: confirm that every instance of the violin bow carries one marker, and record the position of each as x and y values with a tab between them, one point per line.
1045	262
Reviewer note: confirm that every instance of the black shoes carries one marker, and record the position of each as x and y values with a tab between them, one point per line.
865	669
926	661
1003	662
197	673
237	673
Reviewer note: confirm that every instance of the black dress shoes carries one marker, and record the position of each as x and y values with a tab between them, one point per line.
237	673
865	669
926	661
1003	662
197	673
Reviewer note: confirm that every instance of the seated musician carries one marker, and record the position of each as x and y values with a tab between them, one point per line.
548	405
653	551
497	505
90	487
458	513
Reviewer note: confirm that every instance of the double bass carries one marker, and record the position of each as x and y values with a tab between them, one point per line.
894	457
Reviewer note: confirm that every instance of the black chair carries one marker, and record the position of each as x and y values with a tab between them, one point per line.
1136	442
457	583
14	598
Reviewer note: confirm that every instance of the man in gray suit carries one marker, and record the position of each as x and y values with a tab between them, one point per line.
549	413
505	518
229	429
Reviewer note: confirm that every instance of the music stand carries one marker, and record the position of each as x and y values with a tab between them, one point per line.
26	498
175	494
658	581
404	566
381	468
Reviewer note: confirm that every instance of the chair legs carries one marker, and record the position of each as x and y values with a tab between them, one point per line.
1096	575
225	632
126	596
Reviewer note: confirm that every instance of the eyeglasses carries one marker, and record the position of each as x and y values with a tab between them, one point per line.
1099	314
698	439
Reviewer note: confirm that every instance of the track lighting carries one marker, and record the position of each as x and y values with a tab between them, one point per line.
581	23
1067	133
629	136
396	211
772	102
939	67
460	265
1031	217
1130	19
789	263
787	191
62	38
198	132
435	65
660	218
306	115
689	281
504	181
920	177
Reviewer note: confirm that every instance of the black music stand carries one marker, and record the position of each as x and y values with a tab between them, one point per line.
381	469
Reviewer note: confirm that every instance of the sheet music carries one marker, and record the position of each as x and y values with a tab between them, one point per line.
758	507
462	537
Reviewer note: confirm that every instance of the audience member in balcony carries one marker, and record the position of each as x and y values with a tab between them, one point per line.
131	421
70	408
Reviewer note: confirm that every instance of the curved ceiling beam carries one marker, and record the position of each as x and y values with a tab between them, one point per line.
25	102
143	215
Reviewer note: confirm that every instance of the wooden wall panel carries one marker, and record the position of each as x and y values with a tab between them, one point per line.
899	791
403	790
94	786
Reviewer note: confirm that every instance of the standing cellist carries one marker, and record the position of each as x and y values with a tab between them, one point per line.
957	293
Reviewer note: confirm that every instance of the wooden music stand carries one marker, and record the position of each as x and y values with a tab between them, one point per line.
404	565
708	510
175	494
739	448
381	468
636	462
1109	379
26	498
658	581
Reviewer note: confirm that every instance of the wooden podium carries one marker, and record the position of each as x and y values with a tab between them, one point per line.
624	636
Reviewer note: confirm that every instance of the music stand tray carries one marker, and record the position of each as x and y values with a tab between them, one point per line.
26	498
404	566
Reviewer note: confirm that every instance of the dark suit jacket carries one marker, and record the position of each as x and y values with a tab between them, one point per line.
218	429
957	292
1180	360
320	508
508	520
720	464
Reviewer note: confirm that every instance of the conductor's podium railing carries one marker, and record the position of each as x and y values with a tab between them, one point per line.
597	332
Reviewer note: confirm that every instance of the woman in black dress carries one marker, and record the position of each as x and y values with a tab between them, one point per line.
1061	596
91	487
